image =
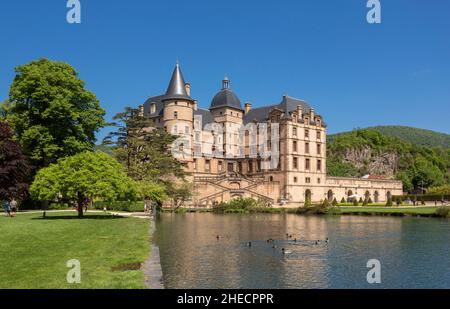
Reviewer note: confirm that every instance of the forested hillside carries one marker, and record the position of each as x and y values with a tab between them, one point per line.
415	136
367	151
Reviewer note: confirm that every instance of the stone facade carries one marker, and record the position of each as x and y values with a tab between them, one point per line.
275	153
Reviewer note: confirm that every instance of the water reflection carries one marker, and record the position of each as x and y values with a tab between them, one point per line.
413	252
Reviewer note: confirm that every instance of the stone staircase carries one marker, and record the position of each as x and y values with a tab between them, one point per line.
227	186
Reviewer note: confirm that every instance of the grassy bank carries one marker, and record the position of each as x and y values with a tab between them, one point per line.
34	251
426	211
416	211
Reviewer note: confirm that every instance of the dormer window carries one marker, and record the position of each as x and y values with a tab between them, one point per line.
306	120
153	108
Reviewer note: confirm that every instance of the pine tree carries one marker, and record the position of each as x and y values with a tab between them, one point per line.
343	200
335	202
143	147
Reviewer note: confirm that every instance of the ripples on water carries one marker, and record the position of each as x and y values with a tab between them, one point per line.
414	252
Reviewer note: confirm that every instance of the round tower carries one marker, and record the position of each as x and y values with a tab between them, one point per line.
179	109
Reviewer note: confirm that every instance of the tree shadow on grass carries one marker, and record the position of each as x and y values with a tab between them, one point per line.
85	217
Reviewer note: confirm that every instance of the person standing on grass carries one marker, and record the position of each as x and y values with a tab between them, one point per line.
13	206
6	208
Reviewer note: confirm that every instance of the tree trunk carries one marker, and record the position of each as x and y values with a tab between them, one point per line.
80	202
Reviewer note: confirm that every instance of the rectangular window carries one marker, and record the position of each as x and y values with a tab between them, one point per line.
197	136
295	163
319	165
295	179
306	147
318	135
306	133
195	164
307	180
294	131
219	166
307	164
318	180
207	165
319	149
294	146
250	166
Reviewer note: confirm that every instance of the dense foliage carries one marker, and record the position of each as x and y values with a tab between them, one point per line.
51	112
416	136
14	166
85	175
419	167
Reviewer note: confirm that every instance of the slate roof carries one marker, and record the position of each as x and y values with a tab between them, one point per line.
287	106
177	86
258	114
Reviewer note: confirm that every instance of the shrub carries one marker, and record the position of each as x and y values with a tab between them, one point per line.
389	202
245	204
398	201
442	211
57	206
326	203
343	200
355	202
335	202
369	201
136	206
365	202
308	202
361	200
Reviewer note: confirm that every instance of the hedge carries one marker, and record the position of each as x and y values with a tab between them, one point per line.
120	206
422	197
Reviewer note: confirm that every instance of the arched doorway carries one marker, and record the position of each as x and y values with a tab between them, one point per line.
330	195
376	196
349	193
308	195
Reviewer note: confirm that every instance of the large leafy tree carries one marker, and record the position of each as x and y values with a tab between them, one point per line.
14	166
143	147
93	175
51	112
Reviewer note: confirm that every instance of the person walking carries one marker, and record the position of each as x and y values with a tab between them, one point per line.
6	208
13	206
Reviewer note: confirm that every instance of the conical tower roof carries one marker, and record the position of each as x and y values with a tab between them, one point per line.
177	86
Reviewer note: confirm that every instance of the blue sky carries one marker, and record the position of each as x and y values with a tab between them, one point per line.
355	74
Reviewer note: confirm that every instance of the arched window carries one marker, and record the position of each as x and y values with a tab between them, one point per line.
330	195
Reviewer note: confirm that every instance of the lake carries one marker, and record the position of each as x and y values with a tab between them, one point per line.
413	252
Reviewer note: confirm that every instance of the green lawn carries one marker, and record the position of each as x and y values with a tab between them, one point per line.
390	210
34	251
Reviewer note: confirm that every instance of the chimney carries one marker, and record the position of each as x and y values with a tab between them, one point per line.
187	86
248	106
141	110
299	111
312	114
195	105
